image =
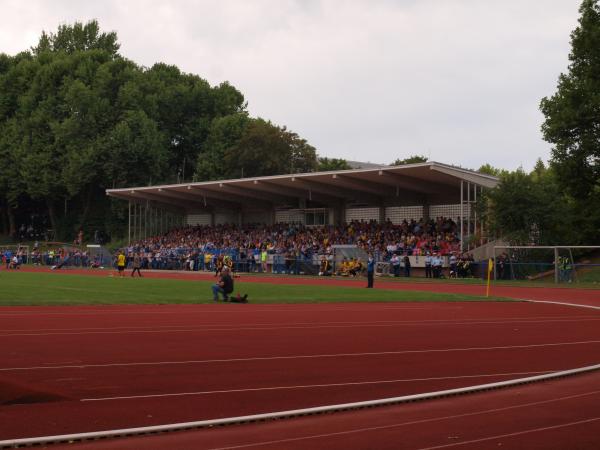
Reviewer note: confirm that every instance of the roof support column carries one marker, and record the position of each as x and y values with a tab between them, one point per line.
469	213
129	224
475	213
462	246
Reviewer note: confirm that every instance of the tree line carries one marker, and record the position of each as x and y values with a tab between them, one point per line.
76	118
559	203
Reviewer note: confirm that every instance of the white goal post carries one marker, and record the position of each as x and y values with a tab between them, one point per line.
539	261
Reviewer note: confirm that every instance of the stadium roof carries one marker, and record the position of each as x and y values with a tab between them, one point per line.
407	185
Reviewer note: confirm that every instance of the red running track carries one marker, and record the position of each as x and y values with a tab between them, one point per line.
555	415
95	368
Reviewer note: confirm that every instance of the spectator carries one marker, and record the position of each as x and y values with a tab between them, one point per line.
224	286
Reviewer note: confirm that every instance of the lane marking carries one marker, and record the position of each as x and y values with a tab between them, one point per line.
309	386
230	310
579	305
266	327
276	358
414	422
516	433
417	322
291	413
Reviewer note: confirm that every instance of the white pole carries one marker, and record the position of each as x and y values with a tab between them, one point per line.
475	212
469	213
461	217
556	265
129	226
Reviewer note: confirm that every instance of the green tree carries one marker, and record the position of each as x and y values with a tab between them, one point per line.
327	164
77	37
572	114
266	149
224	133
414	159
488	169
77	118
529	208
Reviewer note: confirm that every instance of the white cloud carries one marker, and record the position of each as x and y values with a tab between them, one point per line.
459	80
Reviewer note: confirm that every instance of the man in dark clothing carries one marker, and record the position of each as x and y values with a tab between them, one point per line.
224	286
370	271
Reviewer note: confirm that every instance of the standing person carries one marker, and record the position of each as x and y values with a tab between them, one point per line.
395	265
406	266
428	262
121	263
224	286
263	260
452	261
219	266
437	266
370	271
137	262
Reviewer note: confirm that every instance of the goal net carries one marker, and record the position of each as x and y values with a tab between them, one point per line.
558	264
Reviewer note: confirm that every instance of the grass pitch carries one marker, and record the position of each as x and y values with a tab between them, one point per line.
28	289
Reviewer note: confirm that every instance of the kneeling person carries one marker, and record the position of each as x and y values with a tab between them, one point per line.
224	285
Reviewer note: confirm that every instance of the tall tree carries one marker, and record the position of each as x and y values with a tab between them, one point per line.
572	114
326	164
78	37
266	149
529	208
224	133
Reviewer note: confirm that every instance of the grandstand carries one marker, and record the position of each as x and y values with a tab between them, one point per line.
385	193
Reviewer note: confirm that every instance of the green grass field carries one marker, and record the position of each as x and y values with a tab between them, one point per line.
22	288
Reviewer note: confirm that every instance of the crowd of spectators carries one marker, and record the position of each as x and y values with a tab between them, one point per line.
198	247
52	256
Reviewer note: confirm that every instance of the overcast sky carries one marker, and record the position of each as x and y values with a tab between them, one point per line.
458	81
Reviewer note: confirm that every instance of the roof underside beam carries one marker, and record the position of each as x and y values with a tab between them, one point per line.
226	200
139	196
301	192
403	182
339	192
375	188
255	194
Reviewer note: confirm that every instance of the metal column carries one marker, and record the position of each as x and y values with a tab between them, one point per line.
469	213
129	224
475	214
461	216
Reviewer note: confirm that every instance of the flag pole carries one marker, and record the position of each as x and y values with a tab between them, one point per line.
489	275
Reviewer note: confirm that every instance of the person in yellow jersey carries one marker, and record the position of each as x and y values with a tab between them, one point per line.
263	260
121	263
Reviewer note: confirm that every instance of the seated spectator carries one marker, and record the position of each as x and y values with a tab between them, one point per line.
14	263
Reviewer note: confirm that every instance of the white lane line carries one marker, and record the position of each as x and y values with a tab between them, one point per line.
405	424
500	320
231	309
516	433
300	357
265	327
579	305
312	386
